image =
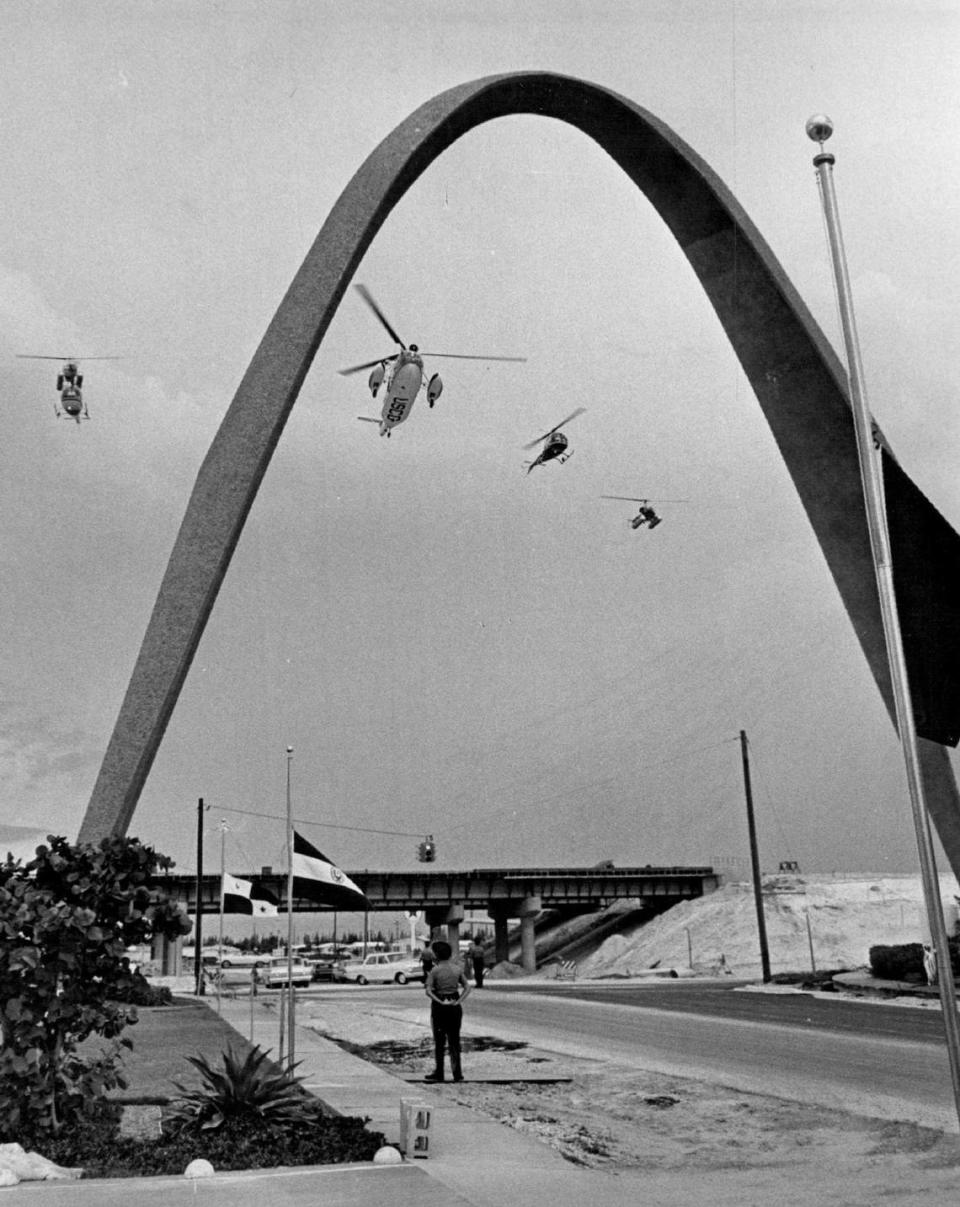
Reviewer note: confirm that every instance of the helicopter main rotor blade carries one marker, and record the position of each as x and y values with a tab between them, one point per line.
29	356
646	499
546	435
461	356
368	298
367	365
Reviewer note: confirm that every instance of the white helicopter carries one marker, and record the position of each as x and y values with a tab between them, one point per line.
69	384
556	445
401	375
646	514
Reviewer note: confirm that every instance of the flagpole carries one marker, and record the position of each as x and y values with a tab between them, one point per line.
290	998
198	938
819	129
223	839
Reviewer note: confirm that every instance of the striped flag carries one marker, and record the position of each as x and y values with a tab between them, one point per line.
244	897
317	879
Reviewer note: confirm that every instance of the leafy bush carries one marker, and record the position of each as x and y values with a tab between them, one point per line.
903	962
139	992
66	918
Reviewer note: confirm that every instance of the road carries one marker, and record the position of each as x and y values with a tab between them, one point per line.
735	999
855	1055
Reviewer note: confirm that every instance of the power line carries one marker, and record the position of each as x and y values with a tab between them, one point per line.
327	825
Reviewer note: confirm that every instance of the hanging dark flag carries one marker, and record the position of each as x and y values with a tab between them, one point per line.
317	879
925	551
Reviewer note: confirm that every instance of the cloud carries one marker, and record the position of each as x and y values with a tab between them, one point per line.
44	769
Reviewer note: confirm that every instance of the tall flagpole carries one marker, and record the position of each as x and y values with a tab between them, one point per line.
819	128
223	839
290	997
198	939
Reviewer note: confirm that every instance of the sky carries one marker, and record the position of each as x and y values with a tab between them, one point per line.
451	646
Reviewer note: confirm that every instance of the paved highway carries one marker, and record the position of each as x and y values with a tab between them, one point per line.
861	1056
737	1000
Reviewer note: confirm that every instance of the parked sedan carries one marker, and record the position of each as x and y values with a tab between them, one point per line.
242	959
379	967
274	974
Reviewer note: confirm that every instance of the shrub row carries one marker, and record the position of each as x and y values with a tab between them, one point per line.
102	1153
904	962
141	993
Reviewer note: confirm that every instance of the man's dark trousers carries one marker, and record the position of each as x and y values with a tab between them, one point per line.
446	1021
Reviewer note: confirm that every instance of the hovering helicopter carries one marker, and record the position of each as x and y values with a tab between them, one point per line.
401	375
69	385
646	514
556	444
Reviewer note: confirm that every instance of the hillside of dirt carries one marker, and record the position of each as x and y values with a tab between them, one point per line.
813	922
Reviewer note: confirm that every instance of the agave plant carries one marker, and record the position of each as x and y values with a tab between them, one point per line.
246	1089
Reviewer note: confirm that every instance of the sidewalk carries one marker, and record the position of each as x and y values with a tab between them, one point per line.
474	1160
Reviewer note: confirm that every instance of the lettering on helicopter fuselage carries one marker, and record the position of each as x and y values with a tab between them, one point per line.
396	410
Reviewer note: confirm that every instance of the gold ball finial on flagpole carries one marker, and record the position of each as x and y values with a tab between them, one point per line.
819	127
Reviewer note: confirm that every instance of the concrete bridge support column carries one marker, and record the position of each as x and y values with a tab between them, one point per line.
168	953
501	933
528	912
444	922
454	918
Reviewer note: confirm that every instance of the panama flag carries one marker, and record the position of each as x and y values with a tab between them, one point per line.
238	898
317	879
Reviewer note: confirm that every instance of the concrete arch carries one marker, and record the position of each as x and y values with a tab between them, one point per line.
797	378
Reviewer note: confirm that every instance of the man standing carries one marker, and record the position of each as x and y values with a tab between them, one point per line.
475	956
446	988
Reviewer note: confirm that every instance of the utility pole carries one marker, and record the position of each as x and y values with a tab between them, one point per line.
755	861
819	129
291	1000
198	940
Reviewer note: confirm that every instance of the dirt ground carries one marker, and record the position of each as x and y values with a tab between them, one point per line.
603	1116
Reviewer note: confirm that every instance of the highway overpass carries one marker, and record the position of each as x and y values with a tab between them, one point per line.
505	893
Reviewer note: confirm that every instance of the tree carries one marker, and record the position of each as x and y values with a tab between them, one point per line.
66	917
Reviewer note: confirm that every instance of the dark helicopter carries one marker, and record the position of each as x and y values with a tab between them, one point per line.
555	446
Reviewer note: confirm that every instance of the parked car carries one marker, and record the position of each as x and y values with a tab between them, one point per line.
242	959
274	974
323	965
381	966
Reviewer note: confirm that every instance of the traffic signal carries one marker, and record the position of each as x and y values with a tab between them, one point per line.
427	850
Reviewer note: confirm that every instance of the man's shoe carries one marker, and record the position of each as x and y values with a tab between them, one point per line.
458	1079
433	1077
